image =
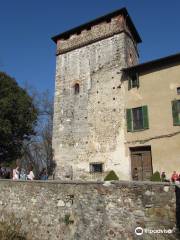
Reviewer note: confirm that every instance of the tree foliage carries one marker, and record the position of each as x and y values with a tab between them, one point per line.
18	117
38	151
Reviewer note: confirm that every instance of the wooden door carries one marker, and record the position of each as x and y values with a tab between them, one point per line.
141	163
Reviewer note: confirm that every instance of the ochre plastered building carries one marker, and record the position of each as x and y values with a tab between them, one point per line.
156	146
111	113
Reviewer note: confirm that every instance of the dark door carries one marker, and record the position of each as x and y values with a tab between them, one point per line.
141	163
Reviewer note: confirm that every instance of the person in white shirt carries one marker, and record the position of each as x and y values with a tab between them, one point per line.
16	173
30	176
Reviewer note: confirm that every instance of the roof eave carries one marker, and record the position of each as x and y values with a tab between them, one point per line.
154	63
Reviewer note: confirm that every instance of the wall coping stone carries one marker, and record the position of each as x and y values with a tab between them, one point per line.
117	183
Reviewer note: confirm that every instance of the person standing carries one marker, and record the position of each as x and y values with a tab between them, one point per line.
174	177
30	176
163	177
16	173
23	175
44	175
135	174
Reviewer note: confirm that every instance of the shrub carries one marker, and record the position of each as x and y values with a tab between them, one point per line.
156	177
111	176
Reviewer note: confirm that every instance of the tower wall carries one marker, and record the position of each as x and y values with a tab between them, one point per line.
89	126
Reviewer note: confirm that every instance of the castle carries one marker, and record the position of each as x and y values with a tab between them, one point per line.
110	112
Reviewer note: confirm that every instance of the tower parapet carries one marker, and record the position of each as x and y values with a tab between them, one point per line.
96	30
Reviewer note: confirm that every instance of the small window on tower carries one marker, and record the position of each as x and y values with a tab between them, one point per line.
76	88
133	81
130	59
178	90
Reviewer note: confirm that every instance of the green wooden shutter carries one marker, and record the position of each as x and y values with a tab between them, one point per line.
129	83
145	117
137	76
129	120
176	120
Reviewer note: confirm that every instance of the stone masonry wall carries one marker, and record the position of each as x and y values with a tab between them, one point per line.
95	33
85	211
89	127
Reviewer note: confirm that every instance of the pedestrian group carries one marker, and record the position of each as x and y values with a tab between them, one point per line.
21	174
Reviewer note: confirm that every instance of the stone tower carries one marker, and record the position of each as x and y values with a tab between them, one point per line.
88	131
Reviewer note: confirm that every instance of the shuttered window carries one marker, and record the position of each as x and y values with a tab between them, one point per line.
129	120
176	112
178	90
133	81
137	119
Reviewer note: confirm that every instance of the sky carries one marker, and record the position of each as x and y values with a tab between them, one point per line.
27	52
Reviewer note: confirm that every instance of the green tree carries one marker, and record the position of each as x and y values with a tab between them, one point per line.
38	151
18	117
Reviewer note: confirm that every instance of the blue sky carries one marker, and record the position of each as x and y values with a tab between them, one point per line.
26	26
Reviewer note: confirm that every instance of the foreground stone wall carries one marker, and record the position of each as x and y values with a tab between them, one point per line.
82	210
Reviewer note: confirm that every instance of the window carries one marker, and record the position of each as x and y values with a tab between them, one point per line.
96	167
176	112
178	90
76	88
137	115
133	81
130	59
137	119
